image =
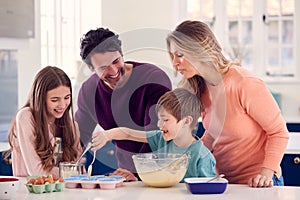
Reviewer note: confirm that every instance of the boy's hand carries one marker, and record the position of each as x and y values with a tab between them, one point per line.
99	139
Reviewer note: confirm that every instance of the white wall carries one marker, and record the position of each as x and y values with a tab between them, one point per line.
143	26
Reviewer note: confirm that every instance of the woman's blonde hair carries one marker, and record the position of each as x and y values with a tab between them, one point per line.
195	40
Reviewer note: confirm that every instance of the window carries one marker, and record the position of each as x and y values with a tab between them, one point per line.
59	34
62	25
257	37
280	38
201	9
239	15
8	89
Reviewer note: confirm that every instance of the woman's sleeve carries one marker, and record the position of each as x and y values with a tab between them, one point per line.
262	107
26	141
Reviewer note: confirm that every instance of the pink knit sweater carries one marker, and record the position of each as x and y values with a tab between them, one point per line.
244	126
25	160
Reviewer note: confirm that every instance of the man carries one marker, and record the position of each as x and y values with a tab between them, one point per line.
118	93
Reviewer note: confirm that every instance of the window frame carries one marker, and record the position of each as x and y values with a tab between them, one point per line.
258	28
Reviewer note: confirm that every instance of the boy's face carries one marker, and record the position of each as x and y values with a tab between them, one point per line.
168	125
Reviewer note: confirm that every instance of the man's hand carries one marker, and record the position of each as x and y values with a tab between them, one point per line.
99	139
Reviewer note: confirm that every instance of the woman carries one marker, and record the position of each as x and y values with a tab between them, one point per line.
243	125
43	132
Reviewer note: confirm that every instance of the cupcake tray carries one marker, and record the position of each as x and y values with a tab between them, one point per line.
94	182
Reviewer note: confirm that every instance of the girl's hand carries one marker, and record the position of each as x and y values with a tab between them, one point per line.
99	139
263	179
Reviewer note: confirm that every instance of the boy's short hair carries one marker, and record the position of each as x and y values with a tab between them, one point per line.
180	103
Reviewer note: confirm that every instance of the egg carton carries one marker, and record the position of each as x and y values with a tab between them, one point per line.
94	182
45	188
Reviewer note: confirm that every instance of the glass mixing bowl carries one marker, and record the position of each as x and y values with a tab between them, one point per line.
161	169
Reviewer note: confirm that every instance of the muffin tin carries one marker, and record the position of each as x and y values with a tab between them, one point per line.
94	182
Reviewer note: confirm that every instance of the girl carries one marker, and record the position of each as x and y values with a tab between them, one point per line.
43	132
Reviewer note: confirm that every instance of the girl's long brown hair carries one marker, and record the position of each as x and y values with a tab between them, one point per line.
47	79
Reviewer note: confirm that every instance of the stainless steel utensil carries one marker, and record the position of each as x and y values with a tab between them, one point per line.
90	168
216	177
88	146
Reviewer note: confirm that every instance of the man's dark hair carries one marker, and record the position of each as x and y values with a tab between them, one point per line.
98	41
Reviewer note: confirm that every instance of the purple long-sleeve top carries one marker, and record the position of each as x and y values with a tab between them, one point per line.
131	106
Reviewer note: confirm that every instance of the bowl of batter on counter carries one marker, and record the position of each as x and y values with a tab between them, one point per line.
161	169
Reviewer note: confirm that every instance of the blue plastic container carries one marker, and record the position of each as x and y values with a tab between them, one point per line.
201	186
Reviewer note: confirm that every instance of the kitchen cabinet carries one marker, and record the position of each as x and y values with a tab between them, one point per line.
5	168
290	165
293	127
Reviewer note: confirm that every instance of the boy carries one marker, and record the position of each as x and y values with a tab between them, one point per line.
178	112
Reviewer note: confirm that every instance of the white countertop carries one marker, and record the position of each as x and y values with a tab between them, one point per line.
138	190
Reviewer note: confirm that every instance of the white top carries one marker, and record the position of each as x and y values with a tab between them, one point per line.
138	190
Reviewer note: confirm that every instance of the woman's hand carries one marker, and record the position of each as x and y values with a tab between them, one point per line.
125	173
99	139
263	179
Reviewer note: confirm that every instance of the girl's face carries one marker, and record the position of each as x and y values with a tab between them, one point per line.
181	63
168	125
58	100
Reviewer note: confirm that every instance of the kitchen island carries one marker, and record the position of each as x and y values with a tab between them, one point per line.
138	190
